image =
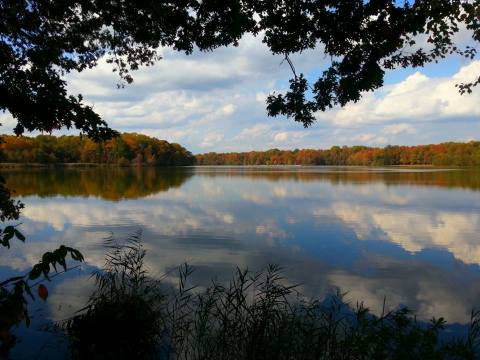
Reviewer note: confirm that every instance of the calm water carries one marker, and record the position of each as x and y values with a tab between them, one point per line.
410	235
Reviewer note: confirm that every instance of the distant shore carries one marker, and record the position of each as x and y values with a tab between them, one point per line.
11	165
81	165
43	165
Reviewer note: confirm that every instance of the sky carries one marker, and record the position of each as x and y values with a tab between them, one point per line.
215	101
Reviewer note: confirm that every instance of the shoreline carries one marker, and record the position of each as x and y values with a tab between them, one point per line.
92	165
82	165
42	165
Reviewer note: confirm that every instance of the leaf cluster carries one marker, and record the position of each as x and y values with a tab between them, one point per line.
15	292
9	208
41	41
8	233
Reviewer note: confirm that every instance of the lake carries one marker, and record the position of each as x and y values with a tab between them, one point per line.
406	235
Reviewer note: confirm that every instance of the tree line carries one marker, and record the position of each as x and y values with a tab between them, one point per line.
133	148
125	149
451	154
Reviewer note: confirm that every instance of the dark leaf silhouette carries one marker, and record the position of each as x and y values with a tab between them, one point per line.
41	41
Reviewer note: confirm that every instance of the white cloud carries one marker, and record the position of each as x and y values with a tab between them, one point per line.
288	139
280	137
254	131
228	109
211	139
370	139
364	137
416	98
396	129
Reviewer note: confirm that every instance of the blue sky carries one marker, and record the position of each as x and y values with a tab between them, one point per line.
216	102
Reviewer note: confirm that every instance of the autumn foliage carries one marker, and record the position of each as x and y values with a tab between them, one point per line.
450	154
126	149
132	148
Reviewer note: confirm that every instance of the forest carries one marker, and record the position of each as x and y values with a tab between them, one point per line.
137	149
125	149
451	154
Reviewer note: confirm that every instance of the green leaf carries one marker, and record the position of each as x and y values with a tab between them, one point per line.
76	255
63	251
63	263
35	272
8	236
9	229
19	235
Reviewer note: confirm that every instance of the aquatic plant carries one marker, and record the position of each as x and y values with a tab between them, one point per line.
122	317
257	315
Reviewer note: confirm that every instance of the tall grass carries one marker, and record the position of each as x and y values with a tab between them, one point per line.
254	316
123	316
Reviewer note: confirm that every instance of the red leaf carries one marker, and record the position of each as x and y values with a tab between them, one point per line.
42	292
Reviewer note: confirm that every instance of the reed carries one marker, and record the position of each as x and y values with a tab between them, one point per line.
256	315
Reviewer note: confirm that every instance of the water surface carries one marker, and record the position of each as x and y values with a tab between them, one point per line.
408	235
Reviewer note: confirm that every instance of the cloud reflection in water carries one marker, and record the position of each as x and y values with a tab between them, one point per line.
409	235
